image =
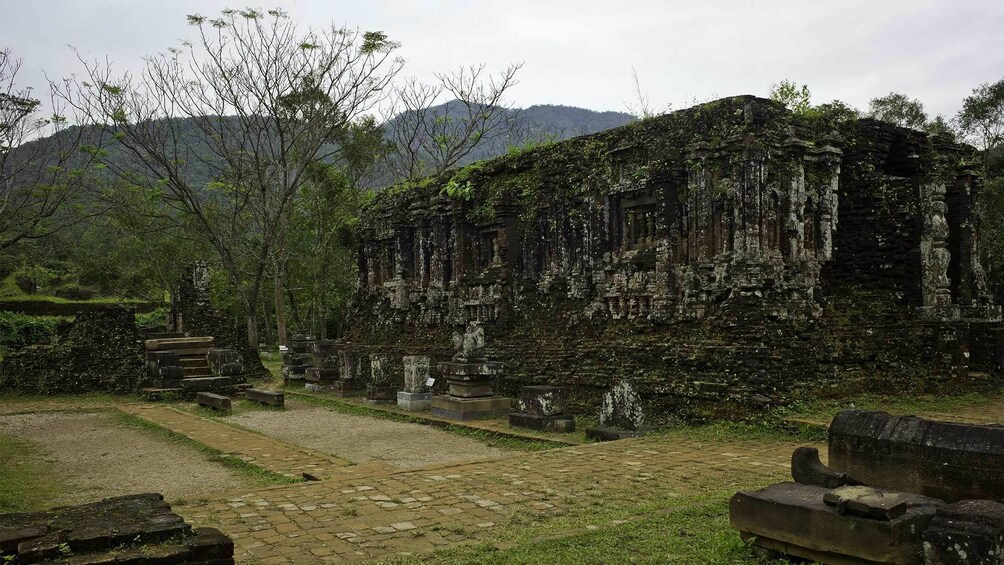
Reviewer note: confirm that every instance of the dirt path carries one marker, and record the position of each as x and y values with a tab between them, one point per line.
99	458
363	439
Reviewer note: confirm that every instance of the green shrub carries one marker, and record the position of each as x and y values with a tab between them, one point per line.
151	320
19	330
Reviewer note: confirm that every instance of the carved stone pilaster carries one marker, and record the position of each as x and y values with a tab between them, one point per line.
934	247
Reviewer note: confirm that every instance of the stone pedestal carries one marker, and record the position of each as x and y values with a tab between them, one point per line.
297	360
621	416
414	401
542	408
380	394
472	391
336	388
415	396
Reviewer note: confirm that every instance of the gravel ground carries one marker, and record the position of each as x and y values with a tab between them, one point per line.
362	439
100	458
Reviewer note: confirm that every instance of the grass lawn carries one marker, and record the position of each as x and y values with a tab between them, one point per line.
27	481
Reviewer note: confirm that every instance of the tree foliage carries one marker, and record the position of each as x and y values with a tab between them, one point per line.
268	100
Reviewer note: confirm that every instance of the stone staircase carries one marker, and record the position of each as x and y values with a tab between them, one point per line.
181	363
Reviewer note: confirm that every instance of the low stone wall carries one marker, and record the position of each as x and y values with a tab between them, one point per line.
99	351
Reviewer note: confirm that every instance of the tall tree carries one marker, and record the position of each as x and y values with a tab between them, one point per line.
981	119
41	169
428	136
256	102
899	109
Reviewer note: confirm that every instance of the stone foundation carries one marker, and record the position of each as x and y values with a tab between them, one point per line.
414	401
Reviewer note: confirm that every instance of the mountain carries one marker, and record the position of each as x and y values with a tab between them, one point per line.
545	121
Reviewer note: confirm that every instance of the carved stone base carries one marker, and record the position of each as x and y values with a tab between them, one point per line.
380	395
470	408
414	401
555	423
336	388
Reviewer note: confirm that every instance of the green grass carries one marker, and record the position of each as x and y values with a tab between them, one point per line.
695	531
27	481
824	410
258	475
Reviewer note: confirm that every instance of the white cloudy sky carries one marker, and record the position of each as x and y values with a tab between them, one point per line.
581	52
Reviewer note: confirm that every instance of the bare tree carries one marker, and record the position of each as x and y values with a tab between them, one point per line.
41	169
253	102
428	137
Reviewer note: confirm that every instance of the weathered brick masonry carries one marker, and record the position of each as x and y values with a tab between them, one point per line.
727	252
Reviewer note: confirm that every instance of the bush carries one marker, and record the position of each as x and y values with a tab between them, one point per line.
19	330
75	292
151	320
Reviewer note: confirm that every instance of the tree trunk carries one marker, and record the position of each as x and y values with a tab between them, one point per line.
280	306
253	326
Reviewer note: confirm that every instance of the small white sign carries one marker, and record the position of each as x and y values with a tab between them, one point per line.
283	348
430	381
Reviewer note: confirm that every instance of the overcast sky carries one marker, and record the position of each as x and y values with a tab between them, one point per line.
581	52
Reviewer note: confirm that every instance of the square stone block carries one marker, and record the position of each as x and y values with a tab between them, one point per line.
471	389
380	395
455	408
555	423
543	400
414	401
319	375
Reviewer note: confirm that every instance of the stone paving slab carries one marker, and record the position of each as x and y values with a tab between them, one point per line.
419	511
269	453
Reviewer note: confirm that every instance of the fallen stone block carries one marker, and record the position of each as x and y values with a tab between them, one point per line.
270	397
213	400
794	519
946	460
127	529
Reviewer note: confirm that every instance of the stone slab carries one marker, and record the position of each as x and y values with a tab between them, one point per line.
213	400
470	408
941	459
612	434
870	502
478	389
178	343
204	384
270	397
127	529
320	375
414	401
554	423
793	518
483	369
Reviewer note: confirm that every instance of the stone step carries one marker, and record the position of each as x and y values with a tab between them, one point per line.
198	373
194	361
178	343
205	383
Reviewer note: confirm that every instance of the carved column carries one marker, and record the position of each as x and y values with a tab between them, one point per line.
934	247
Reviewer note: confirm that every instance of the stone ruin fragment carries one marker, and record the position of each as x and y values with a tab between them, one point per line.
471	379
900	490
416	395
137	528
621	414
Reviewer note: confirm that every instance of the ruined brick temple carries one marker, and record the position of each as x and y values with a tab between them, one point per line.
728	252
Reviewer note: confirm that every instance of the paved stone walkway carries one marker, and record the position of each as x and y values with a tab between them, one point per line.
418	511
271	454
